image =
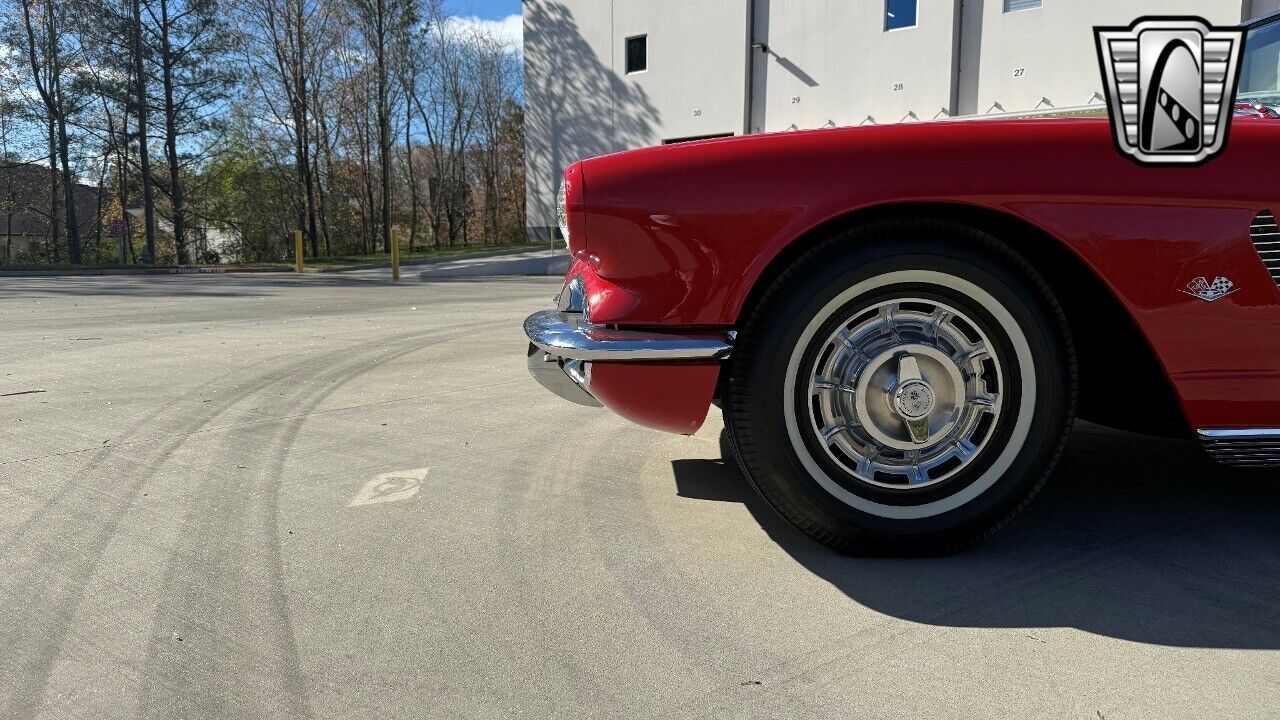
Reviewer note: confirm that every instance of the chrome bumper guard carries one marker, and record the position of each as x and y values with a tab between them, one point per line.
562	346
569	379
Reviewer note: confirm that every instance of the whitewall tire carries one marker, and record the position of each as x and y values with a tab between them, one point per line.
903	388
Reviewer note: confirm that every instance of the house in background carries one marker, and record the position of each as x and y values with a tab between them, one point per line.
25	192
209	243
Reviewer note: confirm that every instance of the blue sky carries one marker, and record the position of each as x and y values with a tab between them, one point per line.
487	9
500	17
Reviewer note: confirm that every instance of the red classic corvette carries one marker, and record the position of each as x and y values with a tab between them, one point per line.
900	323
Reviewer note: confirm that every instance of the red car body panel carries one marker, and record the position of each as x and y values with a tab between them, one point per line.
679	236
672	398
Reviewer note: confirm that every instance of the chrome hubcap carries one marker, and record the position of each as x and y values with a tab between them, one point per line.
905	393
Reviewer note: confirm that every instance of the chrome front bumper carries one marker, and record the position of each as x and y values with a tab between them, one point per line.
562	346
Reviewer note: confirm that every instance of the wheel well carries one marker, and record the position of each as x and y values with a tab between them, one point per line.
1122	384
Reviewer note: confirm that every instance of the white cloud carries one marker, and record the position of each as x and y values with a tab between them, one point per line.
509	29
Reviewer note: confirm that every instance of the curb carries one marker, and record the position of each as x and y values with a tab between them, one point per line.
284	270
139	271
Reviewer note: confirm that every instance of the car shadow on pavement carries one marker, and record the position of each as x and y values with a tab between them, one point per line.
1135	538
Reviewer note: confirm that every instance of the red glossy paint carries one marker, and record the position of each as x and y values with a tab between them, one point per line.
668	397
679	235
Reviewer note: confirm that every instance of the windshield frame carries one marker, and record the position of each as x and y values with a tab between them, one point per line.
1271	96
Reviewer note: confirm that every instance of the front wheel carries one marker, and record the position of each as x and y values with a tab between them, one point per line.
903	388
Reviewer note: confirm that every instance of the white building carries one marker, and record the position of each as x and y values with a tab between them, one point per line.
609	75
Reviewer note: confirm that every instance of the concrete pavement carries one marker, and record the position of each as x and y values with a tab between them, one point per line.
332	497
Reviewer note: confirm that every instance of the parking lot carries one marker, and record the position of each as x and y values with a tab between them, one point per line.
326	496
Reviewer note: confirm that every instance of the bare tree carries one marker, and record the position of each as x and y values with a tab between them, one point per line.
379	22
187	43
51	52
105	28
496	83
142	109
9	204
321	161
407	77
285	43
356	115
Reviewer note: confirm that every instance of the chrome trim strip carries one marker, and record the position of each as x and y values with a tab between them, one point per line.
568	335
1263	20
1252	434
1099	110
1250	447
1266	240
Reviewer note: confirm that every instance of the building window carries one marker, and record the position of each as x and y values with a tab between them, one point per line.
1016	5
637	54
899	14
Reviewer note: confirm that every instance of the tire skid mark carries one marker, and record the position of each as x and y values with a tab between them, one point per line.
102	453
59	529
141	538
534	557
699	609
230	559
266	419
527	559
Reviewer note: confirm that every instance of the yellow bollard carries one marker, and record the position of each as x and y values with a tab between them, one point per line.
297	250
395	255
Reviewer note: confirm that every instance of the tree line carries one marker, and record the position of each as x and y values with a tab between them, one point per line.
188	131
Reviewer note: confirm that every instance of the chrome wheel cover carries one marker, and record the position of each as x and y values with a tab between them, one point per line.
904	394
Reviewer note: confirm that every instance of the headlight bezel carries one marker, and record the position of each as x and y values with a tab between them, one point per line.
573	220
562	211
